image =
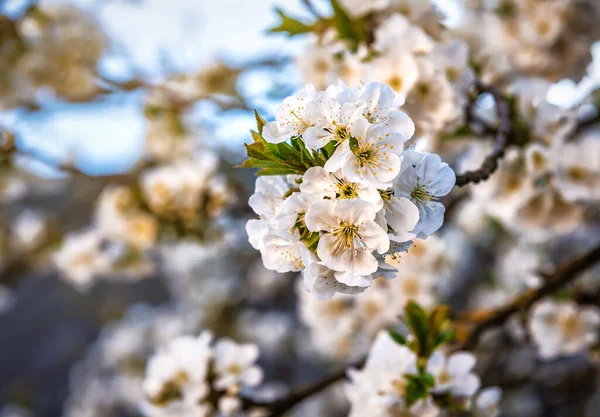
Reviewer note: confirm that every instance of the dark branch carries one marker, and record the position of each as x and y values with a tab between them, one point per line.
279	406
563	275
490	164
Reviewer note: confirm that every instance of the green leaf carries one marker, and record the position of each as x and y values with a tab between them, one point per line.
414	390
277	171
444	337
417	320
428	380
348	29
354	145
290	25
260	122
398	337
438	318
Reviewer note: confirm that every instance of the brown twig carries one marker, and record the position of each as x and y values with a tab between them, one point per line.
490	164
279	406
563	275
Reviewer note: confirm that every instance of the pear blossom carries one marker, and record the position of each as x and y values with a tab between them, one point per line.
563	328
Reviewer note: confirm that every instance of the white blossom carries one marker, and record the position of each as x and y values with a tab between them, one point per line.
453	374
351	235
423	179
562	328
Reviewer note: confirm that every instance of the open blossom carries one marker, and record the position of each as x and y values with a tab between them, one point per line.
189	376
291	118
453	373
563	328
81	258
372	156
350	236
382	386
424	178
334	221
487	403
334	185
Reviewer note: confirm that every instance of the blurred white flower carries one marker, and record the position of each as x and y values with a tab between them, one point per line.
563	328
453	373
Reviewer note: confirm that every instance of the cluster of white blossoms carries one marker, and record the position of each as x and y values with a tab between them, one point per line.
561	328
344	326
543	184
433	76
366	197
193	376
109	378
382	387
548	38
130	221
55	49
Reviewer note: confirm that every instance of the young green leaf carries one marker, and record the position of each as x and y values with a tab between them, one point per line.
348	29
260	122
417	320
290	25
398	337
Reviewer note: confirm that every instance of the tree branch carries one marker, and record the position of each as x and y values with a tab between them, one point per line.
490	164
563	275
279	406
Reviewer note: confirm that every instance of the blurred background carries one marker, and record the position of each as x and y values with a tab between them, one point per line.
75	345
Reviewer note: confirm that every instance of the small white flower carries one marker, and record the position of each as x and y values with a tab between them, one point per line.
291	118
178	373
269	195
350	236
453	374
320	280
282	250
335	186
399	216
81	258
487	403
423	179
28	230
331	120
373	154
380	387
578	169
563	328
397	69
234	365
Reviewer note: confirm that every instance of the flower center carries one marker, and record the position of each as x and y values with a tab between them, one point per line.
346	237
347	190
420	195
444	377
396	83
570	326
302	123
